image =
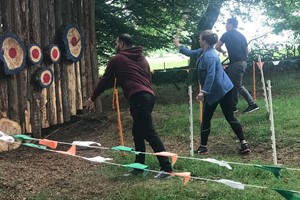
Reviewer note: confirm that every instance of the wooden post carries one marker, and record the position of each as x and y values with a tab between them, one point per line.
58	73
254	80
52	112
45	41
33	94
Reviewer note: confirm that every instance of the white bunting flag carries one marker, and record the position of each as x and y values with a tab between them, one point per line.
98	159
232	184
221	163
86	143
6	138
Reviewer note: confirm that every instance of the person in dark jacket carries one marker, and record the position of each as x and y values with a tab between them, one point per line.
216	89
132	72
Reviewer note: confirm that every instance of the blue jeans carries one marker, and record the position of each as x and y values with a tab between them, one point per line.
141	106
235	72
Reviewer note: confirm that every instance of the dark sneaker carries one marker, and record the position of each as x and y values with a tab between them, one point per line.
202	150
235	110
162	175
251	108
245	148
134	172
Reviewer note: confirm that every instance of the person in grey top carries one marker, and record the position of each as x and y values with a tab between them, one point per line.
237	47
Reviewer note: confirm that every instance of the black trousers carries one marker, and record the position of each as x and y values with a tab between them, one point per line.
141	106
226	104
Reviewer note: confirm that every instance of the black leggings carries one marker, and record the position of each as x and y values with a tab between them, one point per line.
227	109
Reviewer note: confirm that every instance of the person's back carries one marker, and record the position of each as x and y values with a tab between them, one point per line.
238	51
236	44
132	71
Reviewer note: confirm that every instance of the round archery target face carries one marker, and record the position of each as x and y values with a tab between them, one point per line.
74	42
54	54
35	54
13	53
45	77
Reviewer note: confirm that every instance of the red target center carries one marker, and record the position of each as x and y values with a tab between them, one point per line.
12	52
46	78
74	41
35	53
55	53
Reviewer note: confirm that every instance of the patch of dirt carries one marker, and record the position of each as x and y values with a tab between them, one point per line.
26	171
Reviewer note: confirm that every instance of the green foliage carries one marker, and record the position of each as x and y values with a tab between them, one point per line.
152	23
284	14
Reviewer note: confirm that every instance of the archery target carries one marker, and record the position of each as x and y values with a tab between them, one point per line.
12	54
35	54
54	54
45	77
73	42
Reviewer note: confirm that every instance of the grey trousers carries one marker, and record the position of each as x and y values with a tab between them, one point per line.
236	71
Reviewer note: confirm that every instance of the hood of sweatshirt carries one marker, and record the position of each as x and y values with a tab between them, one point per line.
133	53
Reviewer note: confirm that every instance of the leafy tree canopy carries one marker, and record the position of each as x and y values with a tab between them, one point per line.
152	23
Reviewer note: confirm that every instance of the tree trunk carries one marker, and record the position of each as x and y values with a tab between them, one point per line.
34	95
9	127
45	41
87	55
94	57
21	29
58	70
3	81
207	21
83	73
51	92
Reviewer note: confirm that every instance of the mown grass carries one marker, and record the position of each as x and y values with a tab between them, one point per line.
172	123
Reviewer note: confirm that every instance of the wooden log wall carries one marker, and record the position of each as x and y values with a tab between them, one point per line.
38	21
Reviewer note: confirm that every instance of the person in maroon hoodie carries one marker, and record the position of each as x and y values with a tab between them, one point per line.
132	72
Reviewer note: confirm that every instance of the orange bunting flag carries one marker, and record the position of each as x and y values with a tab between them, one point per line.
260	64
185	175
174	156
49	143
71	151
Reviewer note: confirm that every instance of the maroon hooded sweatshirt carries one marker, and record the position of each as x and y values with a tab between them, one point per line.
132	71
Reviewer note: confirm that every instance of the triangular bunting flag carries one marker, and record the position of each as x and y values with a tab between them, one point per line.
221	163
122	148
185	175
71	151
138	166
6	138
274	169
289	195
174	156
34	145
232	184
23	137
49	143
86	143
98	159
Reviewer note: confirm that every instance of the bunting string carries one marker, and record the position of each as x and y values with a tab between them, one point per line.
288	194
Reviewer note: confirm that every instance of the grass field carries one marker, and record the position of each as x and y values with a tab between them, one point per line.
172	123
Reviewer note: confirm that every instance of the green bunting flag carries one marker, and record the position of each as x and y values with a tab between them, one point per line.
122	148
138	166
289	195
34	145
23	137
274	169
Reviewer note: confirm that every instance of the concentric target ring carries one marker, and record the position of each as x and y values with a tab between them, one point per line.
12	54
